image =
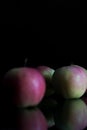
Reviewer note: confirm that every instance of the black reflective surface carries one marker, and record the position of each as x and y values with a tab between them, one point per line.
52	113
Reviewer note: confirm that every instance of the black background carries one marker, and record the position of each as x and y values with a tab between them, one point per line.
49	33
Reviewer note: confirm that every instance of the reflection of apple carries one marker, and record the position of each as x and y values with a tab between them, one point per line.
85	100
72	115
47	73
32	119
86	92
70	81
27	84
48	106
50	118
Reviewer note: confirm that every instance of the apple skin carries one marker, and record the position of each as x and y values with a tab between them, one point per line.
32	119
86	88
72	115
47	73
27	86
70	81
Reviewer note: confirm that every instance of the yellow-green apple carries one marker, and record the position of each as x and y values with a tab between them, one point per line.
70	81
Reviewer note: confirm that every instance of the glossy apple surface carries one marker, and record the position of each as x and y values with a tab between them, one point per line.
27	86
70	81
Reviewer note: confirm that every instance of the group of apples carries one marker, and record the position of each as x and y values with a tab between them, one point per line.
29	85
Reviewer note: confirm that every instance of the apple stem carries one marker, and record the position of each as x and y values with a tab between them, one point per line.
25	61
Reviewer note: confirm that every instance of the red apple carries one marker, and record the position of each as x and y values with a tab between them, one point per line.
27	86
32	119
47	73
70	81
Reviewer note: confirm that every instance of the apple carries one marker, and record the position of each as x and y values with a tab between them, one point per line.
32	119
72	115
70	81
86	88
26	86
47	73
